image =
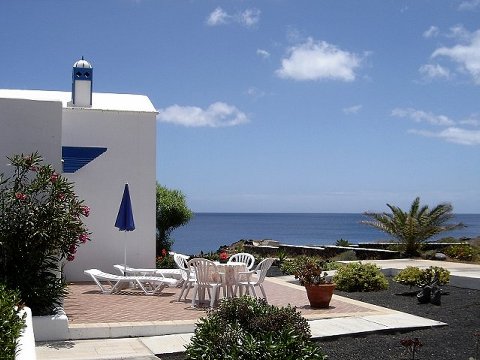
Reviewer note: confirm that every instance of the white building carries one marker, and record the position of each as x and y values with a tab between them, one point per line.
99	141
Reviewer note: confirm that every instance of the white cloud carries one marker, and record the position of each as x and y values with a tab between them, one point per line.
352	109
263	53
466	54
459	33
431	32
255	93
218	114
469	5
453	134
318	60
247	18
218	17
472	121
422	116
434	71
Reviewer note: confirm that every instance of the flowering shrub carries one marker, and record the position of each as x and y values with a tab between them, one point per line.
223	256
165	260
299	263
40	225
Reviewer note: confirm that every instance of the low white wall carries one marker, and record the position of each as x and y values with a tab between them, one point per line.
51	327
26	342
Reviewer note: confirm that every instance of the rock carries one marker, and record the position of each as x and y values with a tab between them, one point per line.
440	256
423	296
436	296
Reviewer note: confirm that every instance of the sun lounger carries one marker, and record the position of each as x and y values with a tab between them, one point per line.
168	273
150	285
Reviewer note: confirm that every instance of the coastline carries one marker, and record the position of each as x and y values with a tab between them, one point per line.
208	231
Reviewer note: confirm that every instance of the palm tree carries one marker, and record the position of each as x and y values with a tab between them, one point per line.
415	227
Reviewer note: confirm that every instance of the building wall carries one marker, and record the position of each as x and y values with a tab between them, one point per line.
27	126
130	139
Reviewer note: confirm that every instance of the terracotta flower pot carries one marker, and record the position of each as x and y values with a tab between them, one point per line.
320	295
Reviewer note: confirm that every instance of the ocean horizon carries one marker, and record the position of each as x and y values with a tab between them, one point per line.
207	231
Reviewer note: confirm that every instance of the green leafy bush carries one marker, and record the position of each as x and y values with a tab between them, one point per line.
360	277
247	328
40	225
410	276
462	252
11	324
414	276
449	239
349	255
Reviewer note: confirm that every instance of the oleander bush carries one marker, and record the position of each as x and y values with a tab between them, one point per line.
414	276
247	328
11	324
361	277
40	227
462	252
165	260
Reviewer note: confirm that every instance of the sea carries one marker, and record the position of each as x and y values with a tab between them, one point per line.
208	231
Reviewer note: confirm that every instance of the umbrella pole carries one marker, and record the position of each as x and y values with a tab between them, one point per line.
125	256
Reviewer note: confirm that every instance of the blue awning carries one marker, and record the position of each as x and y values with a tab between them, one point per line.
76	157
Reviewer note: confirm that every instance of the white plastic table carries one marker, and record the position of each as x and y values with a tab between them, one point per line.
229	274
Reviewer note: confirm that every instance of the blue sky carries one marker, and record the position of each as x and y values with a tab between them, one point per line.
276	105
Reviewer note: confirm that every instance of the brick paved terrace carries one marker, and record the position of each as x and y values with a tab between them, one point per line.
85	304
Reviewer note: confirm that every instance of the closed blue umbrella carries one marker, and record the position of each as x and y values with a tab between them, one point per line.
125	220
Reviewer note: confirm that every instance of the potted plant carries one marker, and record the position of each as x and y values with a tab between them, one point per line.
311	274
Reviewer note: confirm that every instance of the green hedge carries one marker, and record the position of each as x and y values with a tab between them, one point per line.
11	324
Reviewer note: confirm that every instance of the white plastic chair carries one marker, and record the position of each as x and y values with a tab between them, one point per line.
188	276
207	277
254	278
247	259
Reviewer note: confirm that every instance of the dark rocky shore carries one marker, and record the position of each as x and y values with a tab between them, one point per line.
460	309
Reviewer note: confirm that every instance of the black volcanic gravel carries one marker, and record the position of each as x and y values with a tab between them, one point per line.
460	309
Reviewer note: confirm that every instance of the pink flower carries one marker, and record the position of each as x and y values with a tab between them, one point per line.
61	196
223	256
20	196
72	249
70	257
85	210
164	252
54	177
83	238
